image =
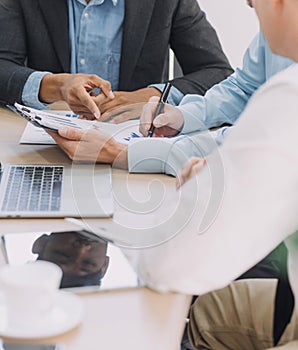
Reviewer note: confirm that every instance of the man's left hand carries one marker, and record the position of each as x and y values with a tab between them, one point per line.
129	104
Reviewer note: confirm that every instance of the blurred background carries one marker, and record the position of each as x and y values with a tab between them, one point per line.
236	24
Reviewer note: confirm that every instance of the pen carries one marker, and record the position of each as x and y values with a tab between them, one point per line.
159	109
1	173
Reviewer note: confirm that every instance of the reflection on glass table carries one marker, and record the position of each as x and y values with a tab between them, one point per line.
88	262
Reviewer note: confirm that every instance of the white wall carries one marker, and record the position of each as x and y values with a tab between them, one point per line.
236	24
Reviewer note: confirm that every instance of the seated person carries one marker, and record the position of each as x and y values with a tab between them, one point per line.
258	211
223	103
44	47
239	316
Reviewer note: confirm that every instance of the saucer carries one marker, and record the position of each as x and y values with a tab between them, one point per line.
67	314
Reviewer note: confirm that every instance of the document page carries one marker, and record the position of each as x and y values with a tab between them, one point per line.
122	132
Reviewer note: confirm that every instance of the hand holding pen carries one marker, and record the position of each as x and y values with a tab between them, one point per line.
160	107
159	118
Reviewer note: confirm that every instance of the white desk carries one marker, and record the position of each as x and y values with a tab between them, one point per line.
130	319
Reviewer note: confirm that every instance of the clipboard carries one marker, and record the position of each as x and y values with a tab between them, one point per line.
44	120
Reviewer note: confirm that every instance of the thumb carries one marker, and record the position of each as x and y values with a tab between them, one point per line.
153	99
71	133
161	120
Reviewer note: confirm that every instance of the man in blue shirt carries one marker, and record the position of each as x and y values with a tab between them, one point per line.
224	102
121	42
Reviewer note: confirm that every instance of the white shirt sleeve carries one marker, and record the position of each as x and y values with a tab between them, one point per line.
244	202
167	155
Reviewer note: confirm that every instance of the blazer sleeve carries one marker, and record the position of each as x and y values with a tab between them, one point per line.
193	36
13	72
33	37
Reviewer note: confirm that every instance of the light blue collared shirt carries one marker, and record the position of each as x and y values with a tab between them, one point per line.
95	33
224	102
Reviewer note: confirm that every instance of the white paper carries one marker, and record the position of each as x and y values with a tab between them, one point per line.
122	132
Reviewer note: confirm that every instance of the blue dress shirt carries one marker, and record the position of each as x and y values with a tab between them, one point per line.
95	33
224	102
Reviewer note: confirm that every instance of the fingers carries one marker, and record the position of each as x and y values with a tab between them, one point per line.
170	121
86	116
122	118
71	133
171	118
78	91
161	120
111	114
108	105
89	102
105	87
189	169
123	113
147	115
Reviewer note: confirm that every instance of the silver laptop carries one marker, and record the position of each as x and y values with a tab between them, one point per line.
45	191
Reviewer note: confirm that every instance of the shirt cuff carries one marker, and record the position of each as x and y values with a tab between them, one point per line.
167	155
220	134
175	95
155	155
31	90
193	110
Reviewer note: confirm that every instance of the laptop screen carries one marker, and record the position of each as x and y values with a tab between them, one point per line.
87	261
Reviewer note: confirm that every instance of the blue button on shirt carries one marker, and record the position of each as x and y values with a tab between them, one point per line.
95	33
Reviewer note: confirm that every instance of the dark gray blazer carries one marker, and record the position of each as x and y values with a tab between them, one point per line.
34	36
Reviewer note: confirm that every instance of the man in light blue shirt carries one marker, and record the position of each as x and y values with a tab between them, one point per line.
224	102
85	20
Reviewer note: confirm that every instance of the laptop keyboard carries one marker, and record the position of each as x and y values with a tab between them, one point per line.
33	188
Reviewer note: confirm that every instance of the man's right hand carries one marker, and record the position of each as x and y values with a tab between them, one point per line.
168	123
91	146
76	90
189	169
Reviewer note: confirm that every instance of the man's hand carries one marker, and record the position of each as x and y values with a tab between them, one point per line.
189	169
91	145
168	123
128	103
123	113
76	90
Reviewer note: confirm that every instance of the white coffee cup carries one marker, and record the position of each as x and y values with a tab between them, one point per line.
29	292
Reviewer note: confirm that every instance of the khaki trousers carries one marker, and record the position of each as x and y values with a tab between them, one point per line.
239	317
